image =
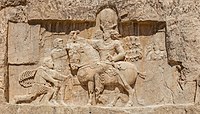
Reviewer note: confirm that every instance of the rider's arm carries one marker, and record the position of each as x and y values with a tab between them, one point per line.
120	52
56	54
59	76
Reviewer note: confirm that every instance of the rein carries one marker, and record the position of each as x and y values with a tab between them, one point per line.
83	66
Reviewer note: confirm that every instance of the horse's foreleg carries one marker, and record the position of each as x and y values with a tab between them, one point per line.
92	100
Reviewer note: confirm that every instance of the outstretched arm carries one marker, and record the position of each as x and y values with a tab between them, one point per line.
60	77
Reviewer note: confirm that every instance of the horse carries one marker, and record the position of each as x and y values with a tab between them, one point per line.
86	61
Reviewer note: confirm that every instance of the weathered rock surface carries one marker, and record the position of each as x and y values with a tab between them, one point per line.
167	109
28	28
11	3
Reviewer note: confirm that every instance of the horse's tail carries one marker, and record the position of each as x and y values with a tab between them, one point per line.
26	78
142	74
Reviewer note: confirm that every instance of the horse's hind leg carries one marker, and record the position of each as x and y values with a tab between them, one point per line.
92	100
130	94
125	86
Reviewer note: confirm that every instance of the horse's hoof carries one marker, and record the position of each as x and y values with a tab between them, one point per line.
110	105
129	104
55	102
89	104
62	103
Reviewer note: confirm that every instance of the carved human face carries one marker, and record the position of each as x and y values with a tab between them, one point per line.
106	36
114	34
155	47
58	43
73	35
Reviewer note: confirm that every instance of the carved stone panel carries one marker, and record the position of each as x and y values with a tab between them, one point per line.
110	63
14	87
23	43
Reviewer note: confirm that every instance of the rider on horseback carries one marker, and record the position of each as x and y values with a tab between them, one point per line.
110	51
99	63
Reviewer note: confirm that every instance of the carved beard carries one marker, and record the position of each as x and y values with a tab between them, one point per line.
74	67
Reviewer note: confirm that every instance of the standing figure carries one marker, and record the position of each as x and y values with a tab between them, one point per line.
59	56
61	62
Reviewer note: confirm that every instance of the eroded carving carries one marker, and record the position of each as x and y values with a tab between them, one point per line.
155	53
103	61
44	82
61	64
107	19
104	70
134	52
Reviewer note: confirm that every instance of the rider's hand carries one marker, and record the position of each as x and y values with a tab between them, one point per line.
110	58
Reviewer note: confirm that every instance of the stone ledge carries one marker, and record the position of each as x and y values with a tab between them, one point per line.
156	109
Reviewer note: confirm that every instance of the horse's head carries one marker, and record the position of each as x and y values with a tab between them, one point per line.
81	53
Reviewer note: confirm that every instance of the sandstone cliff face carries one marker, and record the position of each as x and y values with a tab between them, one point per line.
25	109
177	22
12	3
183	32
